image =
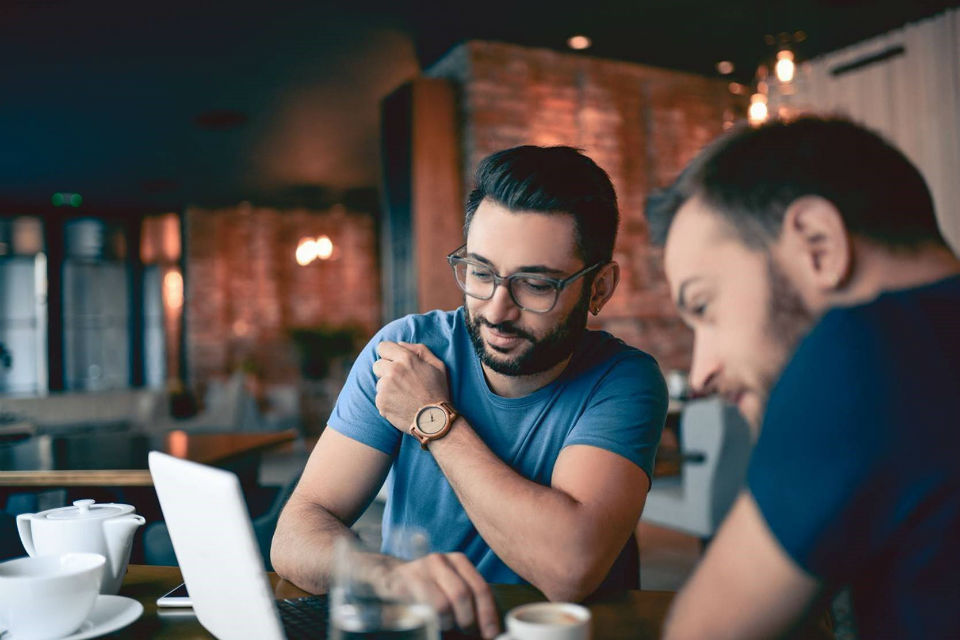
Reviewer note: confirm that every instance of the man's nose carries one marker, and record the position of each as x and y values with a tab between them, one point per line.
501	307
705	366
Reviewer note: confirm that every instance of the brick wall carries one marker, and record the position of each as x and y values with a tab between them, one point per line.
245	290
641	124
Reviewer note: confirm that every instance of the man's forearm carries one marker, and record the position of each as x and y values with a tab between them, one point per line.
302	548
542	533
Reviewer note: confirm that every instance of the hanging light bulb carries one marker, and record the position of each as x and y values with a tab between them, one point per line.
757	113
785	67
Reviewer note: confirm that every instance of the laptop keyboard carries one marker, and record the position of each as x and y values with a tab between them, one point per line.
304	618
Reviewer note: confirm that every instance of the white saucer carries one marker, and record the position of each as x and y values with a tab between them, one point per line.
109	614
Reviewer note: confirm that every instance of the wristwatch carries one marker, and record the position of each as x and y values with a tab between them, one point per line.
432	422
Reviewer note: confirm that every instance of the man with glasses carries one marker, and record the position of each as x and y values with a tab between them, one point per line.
519	441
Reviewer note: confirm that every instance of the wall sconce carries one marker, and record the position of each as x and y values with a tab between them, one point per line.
310	249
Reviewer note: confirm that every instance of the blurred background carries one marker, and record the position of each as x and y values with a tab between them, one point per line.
207	208
198	193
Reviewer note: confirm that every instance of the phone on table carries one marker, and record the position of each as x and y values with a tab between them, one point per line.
177	597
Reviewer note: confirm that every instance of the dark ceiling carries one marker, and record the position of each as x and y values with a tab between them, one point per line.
154	106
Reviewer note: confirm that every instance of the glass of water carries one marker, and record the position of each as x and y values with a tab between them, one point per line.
361	606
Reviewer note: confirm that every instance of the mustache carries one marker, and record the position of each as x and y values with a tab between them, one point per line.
507	328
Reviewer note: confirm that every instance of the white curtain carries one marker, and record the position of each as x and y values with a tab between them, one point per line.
913	99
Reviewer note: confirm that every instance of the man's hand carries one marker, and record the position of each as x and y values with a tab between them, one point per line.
450	584
408	377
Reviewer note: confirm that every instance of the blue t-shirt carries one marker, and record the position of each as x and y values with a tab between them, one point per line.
856	469
610	396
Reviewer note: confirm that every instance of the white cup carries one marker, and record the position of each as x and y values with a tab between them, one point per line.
549	621
46	597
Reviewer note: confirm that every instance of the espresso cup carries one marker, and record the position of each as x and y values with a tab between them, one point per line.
549	621
45	597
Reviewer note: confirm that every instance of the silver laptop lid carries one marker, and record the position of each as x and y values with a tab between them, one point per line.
216	548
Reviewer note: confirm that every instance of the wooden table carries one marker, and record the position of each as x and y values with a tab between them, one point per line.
636	615
119	458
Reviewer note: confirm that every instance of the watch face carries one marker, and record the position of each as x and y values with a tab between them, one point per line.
431	420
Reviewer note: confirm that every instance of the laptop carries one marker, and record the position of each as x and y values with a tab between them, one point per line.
219	558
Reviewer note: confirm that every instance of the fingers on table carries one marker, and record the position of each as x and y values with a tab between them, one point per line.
457	595
484	607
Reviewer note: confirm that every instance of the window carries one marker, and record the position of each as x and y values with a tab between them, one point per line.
23	306
113	316
96	307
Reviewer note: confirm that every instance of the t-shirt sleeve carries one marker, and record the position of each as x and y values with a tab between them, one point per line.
355	414
626	412
821	462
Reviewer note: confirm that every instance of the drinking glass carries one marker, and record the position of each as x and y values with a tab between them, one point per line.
362	606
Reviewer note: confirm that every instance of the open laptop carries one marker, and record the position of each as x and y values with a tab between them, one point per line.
218	555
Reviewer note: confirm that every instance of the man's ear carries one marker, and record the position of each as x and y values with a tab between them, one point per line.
816	238
604	284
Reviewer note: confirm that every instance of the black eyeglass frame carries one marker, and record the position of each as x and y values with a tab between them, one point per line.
559	285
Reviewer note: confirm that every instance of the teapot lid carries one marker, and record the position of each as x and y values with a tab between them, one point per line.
87	510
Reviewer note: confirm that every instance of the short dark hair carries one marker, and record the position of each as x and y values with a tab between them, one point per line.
552	180
752	175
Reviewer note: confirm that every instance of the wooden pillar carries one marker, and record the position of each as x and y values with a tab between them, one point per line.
423	194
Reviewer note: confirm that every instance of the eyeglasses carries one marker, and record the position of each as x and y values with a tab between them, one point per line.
529	291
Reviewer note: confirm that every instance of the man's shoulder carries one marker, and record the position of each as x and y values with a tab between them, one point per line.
600	353
885	324
416	327
598	346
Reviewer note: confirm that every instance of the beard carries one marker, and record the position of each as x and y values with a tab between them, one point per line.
788	320
543	353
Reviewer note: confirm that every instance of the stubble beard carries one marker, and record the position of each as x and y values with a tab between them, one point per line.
543	353
788	321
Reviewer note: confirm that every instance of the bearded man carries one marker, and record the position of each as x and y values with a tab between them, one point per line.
825	304
521	442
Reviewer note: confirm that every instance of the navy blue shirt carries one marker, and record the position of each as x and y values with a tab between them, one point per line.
610	396
856	470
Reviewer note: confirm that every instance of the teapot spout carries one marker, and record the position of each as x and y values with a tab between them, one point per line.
118	533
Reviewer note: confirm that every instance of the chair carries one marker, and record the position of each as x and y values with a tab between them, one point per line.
715	443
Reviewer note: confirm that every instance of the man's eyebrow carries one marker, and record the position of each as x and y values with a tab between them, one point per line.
681	292
533	268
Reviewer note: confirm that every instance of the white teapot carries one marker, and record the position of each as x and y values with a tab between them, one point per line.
106	529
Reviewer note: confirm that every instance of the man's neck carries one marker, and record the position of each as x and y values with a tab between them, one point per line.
879	270
519	386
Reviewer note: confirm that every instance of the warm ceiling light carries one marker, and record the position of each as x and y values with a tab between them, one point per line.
757	113
725	67
737	88
785	68
579	43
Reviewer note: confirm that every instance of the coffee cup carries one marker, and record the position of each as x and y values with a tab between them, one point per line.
44	597
549	621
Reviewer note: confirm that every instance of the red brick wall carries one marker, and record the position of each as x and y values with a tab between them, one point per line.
641	124
245	290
